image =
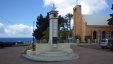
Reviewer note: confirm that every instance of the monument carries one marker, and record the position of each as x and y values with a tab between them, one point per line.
53	27
51	51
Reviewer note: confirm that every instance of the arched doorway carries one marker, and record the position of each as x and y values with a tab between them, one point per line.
112	34
94	35
103	34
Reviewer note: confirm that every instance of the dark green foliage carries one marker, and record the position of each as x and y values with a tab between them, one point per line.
110	21
42	25
87	37
60	21
69	16
78	37
61	25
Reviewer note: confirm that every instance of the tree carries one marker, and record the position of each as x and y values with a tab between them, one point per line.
42	26
62	29
110	21
69	16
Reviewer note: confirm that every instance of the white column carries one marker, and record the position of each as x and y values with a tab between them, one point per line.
92	35
55	28
98	38
109	34
50	32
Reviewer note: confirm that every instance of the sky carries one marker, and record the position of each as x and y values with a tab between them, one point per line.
17	16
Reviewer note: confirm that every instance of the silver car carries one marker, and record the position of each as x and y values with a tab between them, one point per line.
105	43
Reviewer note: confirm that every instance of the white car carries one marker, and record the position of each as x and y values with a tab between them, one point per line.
104	43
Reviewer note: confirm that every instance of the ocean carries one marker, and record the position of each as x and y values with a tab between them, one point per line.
16	39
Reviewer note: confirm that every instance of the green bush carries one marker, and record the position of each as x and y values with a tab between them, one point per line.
78	37
87	37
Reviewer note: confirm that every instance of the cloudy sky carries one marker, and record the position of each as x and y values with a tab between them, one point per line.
17	16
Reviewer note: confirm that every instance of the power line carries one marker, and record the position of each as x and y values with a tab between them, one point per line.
6	19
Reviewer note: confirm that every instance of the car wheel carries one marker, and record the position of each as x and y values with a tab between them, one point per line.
103	47
111	49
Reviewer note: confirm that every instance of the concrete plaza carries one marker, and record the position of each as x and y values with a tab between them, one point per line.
12	55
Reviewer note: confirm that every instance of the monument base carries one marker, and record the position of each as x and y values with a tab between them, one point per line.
51	54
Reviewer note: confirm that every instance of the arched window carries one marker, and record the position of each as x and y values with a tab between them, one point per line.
103	34
112	34
94	34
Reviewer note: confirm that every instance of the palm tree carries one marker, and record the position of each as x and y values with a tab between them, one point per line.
110	21
69	17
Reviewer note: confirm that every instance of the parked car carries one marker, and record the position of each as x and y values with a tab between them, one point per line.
106	43
110	44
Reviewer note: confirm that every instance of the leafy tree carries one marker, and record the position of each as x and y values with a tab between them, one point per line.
42	26
61	25
69	16
110	21
62	28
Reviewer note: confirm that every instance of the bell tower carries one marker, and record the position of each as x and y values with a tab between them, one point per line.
79	23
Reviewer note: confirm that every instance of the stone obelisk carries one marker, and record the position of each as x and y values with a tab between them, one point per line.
53	27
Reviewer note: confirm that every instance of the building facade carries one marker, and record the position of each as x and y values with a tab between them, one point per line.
95	32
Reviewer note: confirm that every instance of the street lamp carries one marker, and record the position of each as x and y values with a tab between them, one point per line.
33	44
67	20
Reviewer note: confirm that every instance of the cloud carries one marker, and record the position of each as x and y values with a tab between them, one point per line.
91	7
62	6
16	30
88	6
1	25
96	19
1	28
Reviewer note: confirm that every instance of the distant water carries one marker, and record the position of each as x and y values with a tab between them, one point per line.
16	39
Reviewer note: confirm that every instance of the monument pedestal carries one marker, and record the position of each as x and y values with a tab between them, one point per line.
46	53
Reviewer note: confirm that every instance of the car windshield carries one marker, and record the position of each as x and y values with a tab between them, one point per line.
110	40
103	40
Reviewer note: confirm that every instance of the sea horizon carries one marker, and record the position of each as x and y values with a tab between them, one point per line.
16	39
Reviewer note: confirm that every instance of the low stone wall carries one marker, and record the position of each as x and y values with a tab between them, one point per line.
65	47
46	52
40	48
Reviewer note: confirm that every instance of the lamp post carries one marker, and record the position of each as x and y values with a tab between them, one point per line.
112	6
33	44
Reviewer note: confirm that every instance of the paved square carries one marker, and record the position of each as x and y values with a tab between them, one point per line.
12	55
